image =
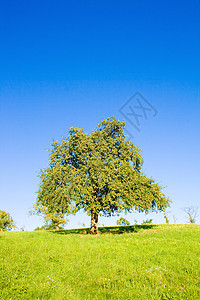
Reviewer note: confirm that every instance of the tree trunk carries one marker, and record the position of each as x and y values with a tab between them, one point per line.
94	222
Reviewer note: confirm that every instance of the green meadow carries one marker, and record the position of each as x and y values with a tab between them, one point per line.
126	262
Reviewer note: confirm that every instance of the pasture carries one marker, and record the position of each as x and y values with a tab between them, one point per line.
126	262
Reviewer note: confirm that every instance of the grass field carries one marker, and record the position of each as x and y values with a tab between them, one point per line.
141	262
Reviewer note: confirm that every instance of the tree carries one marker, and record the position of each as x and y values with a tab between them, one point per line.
99	173
147	221
175	219
53	201
123	221
54	218
166	217
192	213
6	221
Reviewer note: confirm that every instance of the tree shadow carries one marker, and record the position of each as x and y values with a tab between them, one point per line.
107	230
125	229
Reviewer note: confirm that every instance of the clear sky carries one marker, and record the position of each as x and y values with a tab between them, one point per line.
73	63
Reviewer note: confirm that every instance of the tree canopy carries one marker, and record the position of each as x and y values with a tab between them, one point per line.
6	221
99	172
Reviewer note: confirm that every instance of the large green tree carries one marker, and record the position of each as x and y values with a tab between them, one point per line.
99	172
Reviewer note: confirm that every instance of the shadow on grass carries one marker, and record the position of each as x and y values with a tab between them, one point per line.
106	230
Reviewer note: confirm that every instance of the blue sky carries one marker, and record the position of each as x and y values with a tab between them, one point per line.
73	63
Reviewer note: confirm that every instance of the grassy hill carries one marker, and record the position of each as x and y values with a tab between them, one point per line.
133	262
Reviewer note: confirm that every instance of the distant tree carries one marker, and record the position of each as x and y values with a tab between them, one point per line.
6	221
166	217
40	228
192	213
54	218
175	219
99	173
53	201
147	221
123	221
